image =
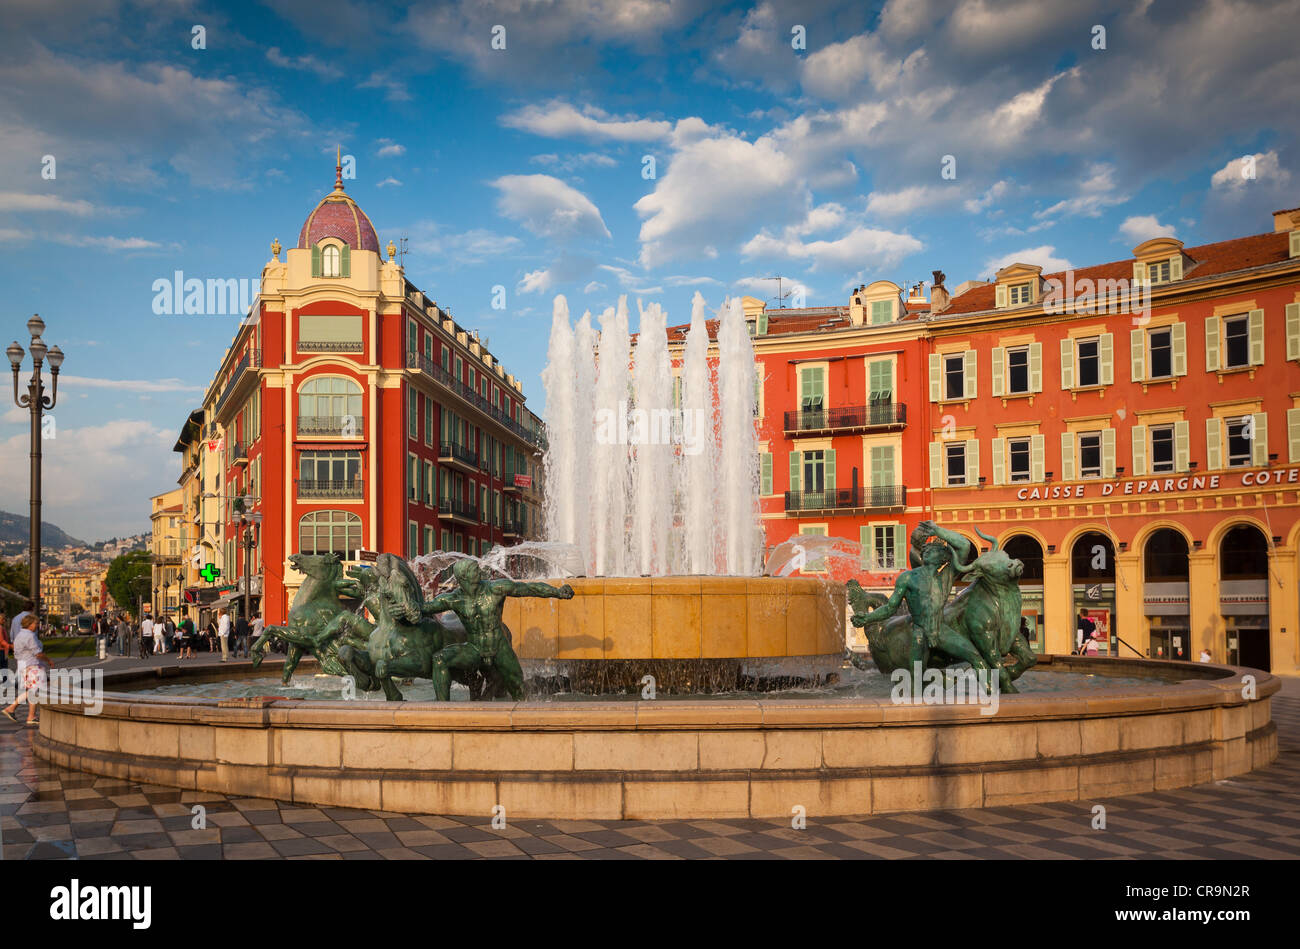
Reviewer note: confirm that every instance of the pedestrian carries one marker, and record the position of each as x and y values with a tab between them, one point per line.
169	633
4	642
123	634
146	633
256	632
32	663
242	629
1205	655
186	632
16	625
211	634
223	633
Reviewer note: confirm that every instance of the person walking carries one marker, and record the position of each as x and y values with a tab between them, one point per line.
16	624
242	629
123	634
32	663
223	633
187	634
255	633
5	645
146	633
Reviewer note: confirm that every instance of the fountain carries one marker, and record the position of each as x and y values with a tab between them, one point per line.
676	681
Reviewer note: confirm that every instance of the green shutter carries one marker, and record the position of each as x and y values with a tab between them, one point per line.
796	463
830	475
1067	364
1176	267
864	547
1000	296
765	460
968	373
1107	359
1035	367
1294	243
1293	434
1067	456
1259	444
1213	444
936	376
999	460
345	266
972	461
1178	339
998	367
900	546
1137	340
1139	451
1037	456
1293	331
1212	344
1182	446
936	465
1139	273
762	323
1256	327
315	261
1108	452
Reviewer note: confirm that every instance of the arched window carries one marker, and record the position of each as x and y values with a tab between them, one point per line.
329	397
330	257
1029	552
1165	557
323	532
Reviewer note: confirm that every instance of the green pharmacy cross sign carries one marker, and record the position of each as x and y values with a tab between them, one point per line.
210	572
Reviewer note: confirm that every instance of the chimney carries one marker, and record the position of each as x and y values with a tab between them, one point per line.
938	293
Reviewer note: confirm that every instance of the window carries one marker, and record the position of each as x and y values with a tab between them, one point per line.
1089	362
446	355
1090	455
428	421
1018	369
815	563
882	311
812	390
323	532
1158	273
413	478
330	258
1021	293
446	539
330	397
1236	342
1018	450
882	466
1239	441
880	382
428	483
954	375
884	549
428	540
329	471
1162	449
955	457
814	472
483	504
413	416
1162	353
412	539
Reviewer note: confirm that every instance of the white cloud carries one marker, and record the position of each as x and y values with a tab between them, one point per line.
389	149
560	119
466	247
127	385
548	207
17	202
1139	228
1242	172
303	64
537	281
388	182
570	163
909	200
995	191
594	287
1096	192
1044	256
861	249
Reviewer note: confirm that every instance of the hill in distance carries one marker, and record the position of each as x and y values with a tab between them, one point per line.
14	527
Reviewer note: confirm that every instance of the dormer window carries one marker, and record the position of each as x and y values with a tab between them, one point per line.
1159	260
1022	294
1017	285
329	260
1158	272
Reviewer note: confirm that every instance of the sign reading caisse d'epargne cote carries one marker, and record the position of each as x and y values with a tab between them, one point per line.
1178	483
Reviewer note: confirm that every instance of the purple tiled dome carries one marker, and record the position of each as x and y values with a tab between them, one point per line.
339	216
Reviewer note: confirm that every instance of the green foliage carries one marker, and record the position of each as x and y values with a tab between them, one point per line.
15	577
124	569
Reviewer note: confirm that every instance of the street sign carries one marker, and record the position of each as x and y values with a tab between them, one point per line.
367	556
210	572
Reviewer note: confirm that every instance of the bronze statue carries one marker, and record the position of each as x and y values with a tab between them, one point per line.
980	626
487	647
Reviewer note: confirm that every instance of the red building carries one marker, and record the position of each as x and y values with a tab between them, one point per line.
351	414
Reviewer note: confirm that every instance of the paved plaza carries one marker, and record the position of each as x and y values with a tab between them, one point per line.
54	813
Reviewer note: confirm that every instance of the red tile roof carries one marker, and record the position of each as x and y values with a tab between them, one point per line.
1208	260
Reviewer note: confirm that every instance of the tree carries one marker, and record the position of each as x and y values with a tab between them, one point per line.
122	571
15	577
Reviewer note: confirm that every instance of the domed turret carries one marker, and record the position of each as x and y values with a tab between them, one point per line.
339	216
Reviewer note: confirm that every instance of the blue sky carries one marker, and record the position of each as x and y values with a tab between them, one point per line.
525	166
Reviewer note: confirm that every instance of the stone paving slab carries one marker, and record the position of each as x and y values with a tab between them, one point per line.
49	813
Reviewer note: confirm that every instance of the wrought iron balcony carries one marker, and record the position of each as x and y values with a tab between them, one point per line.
456	509
249	362
883	498
331	489
239	453
448	381
331	346
350	426
454	453
847	418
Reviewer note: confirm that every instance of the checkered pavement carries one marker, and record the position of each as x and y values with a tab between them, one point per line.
53	813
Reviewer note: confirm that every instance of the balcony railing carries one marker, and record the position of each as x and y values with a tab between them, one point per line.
251	360
449	381
331	346
455	507
348	425
512	528
863	498
457	452
330	489
239	453
847	417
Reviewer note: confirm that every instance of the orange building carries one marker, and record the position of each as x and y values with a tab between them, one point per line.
352	414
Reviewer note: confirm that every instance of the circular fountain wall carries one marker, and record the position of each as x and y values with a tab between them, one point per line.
751	757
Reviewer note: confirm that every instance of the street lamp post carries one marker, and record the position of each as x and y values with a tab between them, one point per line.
37	401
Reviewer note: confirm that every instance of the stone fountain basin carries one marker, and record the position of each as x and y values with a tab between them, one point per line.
680	759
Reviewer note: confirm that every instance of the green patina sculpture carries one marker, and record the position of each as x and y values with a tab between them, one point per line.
405	639
318	623
980	626
487	649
